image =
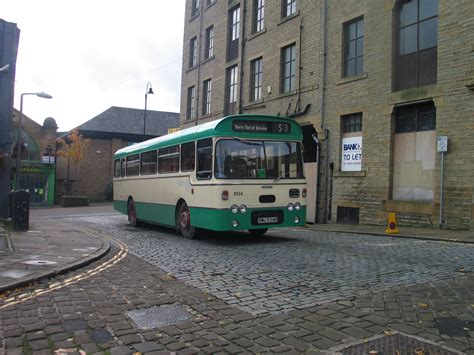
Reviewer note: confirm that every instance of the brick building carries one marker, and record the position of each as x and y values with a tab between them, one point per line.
109	131
378	80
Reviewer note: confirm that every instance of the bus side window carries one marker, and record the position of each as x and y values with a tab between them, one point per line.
188	156
117	168
122	167
204	159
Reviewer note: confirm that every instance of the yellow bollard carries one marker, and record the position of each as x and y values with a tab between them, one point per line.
392	225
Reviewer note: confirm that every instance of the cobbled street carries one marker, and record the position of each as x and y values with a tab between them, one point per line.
287	292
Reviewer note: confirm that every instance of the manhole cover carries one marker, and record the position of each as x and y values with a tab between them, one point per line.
156	317
39	262
394	343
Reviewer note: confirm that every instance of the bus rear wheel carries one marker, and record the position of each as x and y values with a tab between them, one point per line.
132	214
258	232
183	222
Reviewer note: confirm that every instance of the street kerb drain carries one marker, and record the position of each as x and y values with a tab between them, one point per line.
158	316
393	343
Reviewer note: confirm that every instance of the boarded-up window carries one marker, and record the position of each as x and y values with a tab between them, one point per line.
414	152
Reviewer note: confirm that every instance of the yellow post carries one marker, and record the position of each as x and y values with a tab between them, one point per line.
392	225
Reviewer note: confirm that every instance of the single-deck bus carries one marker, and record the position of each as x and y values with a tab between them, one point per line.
241	172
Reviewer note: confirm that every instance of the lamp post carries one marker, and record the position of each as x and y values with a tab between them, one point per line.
148	90
43	95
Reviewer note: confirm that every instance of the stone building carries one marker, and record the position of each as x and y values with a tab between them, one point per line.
109	131
380	81
37	165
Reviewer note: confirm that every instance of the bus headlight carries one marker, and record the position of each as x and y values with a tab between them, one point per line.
235	224
297	206
242	208
234	208
290	207
297	220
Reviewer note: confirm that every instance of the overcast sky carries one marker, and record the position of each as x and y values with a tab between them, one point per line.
93	54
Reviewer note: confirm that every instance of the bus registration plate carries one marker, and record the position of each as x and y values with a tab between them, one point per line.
267	220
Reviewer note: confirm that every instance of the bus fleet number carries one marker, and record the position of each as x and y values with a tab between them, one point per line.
238	193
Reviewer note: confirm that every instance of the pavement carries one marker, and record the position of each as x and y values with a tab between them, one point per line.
50	247
47	249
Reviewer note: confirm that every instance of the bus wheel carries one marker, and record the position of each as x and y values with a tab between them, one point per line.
132	214
183	222
258	232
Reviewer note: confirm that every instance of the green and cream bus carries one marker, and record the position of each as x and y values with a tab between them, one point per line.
242	172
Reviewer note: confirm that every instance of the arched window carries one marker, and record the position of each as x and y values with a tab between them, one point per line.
416	33
29	147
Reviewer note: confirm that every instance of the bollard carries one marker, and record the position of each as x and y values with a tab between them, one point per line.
20	210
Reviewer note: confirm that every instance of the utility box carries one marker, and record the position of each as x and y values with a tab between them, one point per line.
20	210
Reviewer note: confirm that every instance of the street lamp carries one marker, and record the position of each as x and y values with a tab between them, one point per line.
148	90
43	95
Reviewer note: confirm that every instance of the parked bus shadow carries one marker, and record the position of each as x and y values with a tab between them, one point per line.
219	238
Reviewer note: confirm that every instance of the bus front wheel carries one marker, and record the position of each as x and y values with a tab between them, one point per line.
183	222
132	214
258	232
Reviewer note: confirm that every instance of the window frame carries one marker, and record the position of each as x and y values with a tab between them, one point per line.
351	123
206	97
288	8
195	4
256	79
346	43
209	173
291	76
193	52
258	19
209	45
191	113
231	90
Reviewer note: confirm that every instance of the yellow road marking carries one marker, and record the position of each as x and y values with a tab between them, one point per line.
123	251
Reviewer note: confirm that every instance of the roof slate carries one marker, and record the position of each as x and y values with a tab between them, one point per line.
123	120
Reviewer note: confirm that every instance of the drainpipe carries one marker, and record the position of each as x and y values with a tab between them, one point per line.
300	67
242	56
198	90
322	110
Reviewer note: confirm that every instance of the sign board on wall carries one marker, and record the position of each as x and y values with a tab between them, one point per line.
351	159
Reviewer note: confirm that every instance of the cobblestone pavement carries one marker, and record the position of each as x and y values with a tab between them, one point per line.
278	273
359	287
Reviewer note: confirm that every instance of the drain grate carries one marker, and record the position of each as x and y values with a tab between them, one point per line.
394	343
156	317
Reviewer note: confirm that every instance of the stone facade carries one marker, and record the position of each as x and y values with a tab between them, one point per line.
317	29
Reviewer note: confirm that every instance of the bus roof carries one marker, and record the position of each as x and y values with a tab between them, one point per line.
220	127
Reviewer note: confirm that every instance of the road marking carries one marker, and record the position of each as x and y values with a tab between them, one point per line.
122	253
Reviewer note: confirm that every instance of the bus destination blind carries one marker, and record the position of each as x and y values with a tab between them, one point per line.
261	127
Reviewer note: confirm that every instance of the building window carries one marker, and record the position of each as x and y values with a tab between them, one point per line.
210	2
191	104
194	8
288	68
193	52
352	123
206	97
354	47
351	142
258	15
288	8
256	79
233	33
209	49
232	84
417	42
414	154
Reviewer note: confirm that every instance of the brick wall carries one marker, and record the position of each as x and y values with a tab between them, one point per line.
370	93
